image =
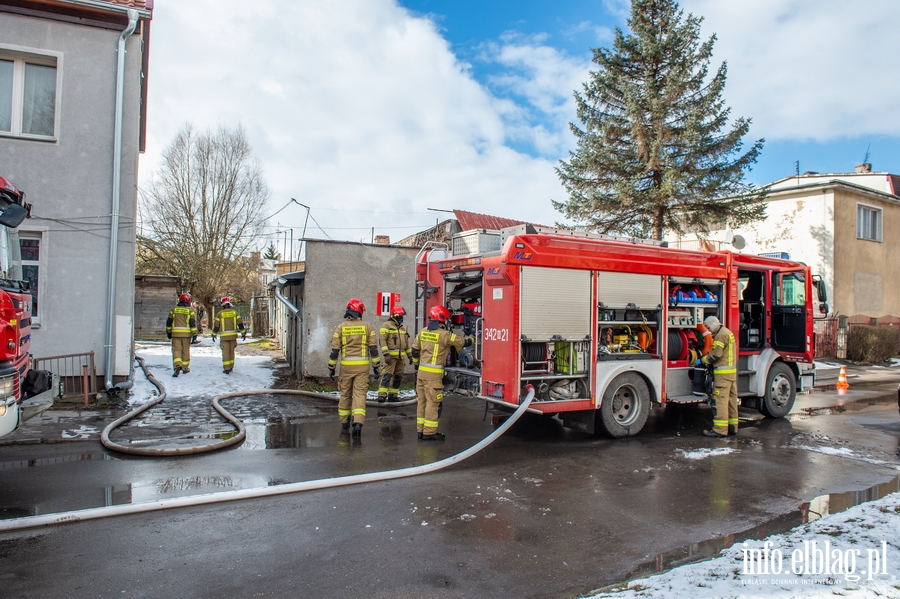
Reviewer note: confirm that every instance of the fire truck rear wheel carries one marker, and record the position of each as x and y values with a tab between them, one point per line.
626	405
781	390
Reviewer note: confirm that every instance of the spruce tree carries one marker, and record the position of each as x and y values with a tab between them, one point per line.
271	252
656	150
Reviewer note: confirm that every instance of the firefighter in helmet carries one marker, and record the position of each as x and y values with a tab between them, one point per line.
394	345
723	358
429	354
227	325
354	342
181	326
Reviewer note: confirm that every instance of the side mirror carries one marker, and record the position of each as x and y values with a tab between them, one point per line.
821	290
13	216
823	309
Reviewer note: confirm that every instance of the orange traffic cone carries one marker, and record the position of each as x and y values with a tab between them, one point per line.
842	379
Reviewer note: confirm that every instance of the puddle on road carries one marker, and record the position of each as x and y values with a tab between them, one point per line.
290	433
808	511
856	405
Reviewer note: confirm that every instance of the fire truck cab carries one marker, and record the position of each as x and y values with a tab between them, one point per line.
604	327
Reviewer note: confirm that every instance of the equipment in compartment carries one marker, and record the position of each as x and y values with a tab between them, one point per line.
636	338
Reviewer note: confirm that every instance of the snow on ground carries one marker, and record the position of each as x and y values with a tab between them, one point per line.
820	365
205	378
705	452
855	553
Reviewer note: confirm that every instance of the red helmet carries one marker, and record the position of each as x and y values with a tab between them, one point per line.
185	297
398	311
355	304
226	302
439	313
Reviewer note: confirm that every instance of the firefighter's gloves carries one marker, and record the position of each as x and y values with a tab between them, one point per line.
168	335
243	335
376	370
470	340
331	372
214	337
416	366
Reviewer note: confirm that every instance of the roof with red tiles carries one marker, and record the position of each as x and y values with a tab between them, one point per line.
134	3
473	220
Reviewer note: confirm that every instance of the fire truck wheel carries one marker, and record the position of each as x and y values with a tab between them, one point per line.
781	389
625	406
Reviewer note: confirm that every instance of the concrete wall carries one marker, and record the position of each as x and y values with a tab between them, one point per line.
336	272
69	182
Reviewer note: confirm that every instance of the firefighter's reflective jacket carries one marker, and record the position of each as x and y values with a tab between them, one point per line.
394	340
228	323
723	355
431	346
182	321
354	342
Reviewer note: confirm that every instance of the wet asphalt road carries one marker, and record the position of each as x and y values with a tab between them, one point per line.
544	512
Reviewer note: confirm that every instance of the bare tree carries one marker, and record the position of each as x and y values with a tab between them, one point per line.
203	211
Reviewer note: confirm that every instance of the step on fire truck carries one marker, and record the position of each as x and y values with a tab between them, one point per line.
24	392
602	327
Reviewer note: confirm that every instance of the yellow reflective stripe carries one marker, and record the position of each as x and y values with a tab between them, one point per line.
359	412
420	421
719	422
725	370
733	421
430	368
181	329
430	423
355	360
343	412
718	344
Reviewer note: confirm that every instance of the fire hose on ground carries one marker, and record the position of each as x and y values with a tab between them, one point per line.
221	497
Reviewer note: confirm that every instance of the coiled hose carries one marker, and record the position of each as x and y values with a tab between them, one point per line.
236	440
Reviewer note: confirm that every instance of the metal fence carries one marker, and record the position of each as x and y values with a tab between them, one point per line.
77	374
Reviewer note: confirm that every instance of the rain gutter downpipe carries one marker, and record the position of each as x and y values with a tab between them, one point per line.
110	347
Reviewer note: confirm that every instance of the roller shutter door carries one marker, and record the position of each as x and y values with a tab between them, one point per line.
555	303
619	289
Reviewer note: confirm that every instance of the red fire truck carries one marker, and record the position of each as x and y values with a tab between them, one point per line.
603	327
24	392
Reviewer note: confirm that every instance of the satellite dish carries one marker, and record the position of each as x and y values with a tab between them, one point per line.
738	242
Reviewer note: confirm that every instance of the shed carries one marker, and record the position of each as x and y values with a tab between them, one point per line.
154	296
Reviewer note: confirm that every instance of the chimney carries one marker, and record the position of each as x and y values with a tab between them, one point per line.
865	167
383	239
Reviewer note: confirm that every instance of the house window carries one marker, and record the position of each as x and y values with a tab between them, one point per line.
28	97
31	271
868	222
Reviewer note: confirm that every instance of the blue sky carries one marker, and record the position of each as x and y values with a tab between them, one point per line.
575	26
371	112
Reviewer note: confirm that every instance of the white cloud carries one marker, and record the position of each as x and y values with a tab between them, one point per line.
352	106
808	69
544	79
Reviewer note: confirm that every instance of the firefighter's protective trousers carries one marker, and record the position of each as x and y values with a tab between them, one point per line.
723	357
354	342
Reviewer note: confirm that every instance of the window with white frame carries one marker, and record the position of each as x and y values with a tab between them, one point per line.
868	222
30	245
28	95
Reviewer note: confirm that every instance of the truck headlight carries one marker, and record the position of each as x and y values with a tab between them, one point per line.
7	386
2	410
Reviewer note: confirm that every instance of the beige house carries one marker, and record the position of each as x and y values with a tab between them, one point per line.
838	223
